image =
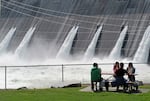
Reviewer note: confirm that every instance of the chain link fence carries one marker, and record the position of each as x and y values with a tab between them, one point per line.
45	76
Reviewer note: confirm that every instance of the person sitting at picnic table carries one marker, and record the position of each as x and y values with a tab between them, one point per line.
96	77
116	67
119	79
131	72
131	77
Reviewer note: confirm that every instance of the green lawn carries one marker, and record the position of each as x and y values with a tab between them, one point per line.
69	94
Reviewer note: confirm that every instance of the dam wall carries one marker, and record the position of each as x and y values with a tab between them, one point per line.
54	19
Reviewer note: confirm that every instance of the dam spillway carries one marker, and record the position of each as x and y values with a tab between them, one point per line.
55	18
40	32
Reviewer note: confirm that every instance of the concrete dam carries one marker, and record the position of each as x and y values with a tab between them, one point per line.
44	29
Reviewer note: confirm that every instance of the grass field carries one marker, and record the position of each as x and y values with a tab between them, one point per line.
70	94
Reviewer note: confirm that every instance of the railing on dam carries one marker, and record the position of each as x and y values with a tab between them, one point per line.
44	75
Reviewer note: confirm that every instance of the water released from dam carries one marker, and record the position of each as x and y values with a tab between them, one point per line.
5	42
89	54
50	32
116	51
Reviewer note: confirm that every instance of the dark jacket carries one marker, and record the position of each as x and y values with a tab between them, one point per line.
121	72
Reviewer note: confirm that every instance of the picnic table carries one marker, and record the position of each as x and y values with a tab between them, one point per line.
127	86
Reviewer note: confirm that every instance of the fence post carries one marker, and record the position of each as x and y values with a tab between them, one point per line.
5	77
62	73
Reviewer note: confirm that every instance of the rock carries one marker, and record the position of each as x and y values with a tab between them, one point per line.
22	88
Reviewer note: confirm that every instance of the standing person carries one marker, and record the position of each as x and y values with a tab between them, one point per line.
95	77
131	72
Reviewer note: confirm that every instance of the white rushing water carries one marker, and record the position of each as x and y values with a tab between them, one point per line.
64	51
46	76
51	73
5	42
23	45
89	54
142	52
49	22
116	52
